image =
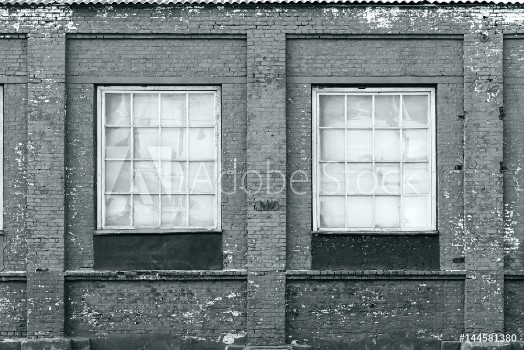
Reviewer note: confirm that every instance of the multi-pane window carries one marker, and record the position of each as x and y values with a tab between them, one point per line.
374	159
158	158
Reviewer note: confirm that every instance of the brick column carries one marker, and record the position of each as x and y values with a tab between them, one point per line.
45	194
483	203
266	163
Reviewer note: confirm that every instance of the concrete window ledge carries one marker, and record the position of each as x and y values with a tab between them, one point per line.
10	276
46	344
154	275
375	274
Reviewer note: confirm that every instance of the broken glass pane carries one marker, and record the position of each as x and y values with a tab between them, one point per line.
174	210
145	109
331	109
118	210
118	109
201	109
360	212
174	109
202	211
359	111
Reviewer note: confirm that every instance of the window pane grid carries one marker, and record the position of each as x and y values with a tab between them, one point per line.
156	164
404	154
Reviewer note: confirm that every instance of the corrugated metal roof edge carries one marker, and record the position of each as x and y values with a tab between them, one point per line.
224	2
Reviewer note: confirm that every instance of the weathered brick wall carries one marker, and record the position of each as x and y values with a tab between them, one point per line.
513	154
514	307
353	310
13	309
201	309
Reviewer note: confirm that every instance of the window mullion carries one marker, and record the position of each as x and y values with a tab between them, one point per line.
132	199
187	159
345	159
401	165
373	160
159	160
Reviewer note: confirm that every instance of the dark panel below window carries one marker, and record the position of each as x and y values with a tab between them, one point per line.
191	251
388	252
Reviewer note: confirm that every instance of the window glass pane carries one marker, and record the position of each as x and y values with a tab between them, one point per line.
388	178
145	177
174	109
359	111
118	107
360	212
118	143
331	109
387	110
332	145
332	178
416	212
332	211
359	145
146	143
415	145
202	211
117	176
174	211
387	145
146	210
201	177
414	111
145	109
174	176
202	144
387	212
173	143
360	179
416	178
118	210
201	109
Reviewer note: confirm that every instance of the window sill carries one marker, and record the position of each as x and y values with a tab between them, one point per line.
145	231
378	233
1	232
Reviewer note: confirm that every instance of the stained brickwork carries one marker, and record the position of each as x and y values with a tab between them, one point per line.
351	310
13	309
513	306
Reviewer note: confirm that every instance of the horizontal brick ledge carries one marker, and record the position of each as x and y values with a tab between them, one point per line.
10	276
154	275
374	274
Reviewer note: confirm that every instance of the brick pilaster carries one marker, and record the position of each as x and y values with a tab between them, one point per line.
45	197
483	202
266	162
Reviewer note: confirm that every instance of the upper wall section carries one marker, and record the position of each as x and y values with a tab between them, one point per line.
374	57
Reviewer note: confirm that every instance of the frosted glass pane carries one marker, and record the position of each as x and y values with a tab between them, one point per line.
146	177
414	111
387	110
416	178
332	145
360	179
331	110
146	143
118	210
359	145
201	177
332	178
118	109
173	144
388	178
415	145
118	143
145	109
202	211
174	211
146	210
201	109
387	212
359	111
174	176
416	212
202	144
387	145
117	176
332	211
360	212
174	109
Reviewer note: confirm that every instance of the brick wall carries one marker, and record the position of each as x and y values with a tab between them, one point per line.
514	306
13	309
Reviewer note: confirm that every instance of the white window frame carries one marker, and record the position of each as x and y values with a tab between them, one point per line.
101	90
316	92
2	163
